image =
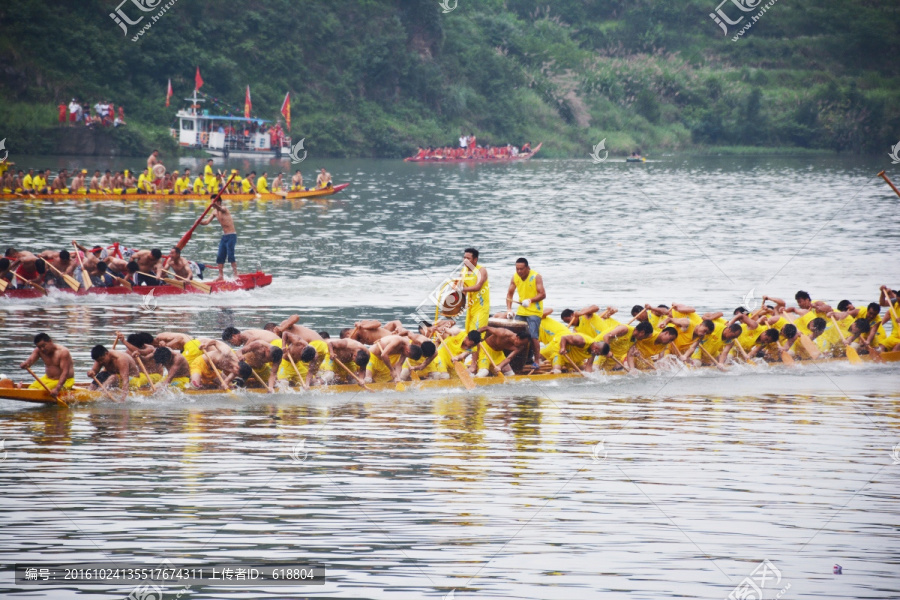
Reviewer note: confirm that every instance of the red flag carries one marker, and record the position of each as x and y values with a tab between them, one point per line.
248	106
168	93
286	110
198	81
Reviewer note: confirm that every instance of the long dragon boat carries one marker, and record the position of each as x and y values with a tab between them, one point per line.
80	394
472	159
297	195
247	281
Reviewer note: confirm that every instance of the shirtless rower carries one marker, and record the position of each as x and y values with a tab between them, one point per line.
391	352
140	345
58	366
290	325
496	343
60	184
152	161
178	264
94	185
369	332
355	355
229	237
150	263
113	365
297	181
63	262
264	358
323	179
78	182
313	359
235	337
178	370
203	376
106	182
90	258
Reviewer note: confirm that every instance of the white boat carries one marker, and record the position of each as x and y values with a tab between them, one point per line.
201	130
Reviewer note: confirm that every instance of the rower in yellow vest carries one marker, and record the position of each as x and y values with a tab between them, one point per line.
199	188
529	285
209	177
262	184
247	186
477	290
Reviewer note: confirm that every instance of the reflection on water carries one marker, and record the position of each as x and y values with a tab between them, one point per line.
491	494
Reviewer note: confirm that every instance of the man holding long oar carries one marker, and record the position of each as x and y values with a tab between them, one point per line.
59	367
229	236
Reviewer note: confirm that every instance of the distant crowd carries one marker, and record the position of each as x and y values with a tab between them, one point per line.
102	114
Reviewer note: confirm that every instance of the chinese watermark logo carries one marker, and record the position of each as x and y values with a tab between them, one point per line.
447	296
298	452
123	20
895	153
751	588
598	452
149	303
723	20
445	5
4	453
595	155
895	454
749	301
6	152
295	152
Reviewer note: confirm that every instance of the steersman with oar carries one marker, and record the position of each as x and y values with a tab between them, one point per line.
58	365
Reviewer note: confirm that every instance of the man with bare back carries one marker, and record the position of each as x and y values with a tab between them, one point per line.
229	237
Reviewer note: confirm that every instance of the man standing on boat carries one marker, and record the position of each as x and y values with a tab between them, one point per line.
477	290
529	284
229	237
60	370
209	178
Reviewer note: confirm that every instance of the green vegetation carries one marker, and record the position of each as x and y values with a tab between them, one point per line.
379	77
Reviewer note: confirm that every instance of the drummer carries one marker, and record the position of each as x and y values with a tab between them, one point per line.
152	161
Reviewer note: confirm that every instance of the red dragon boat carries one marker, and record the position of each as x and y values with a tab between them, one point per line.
486	159
247	281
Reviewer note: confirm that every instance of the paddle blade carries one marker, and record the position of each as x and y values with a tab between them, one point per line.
786	358
3	285
400	387
72	282
414	375
809	346
853	356
463	373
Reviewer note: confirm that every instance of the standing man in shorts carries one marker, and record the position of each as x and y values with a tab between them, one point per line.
229	237
530	286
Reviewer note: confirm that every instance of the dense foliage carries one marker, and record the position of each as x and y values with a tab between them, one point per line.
378	77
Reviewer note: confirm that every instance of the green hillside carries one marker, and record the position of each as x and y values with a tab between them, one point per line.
379	77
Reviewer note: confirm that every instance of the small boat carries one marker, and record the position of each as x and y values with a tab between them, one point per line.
297	195
442	161
247	281
81	394
636	159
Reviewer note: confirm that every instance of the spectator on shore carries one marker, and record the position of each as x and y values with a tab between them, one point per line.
73	111
63	111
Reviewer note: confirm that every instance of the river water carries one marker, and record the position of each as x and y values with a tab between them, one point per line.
677	484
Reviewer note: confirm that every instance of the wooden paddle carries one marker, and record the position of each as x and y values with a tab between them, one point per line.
217	372
359	381
123	282
260	379
493	364
461	371
105	391
43	385
637	317
206	289
32	284
889	182
70	281
166	280
85	276
809	346
4	283
711	357
852	354
572	362
293	364
144	371
743	353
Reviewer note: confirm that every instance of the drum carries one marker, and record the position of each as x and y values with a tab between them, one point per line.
159	171
452	301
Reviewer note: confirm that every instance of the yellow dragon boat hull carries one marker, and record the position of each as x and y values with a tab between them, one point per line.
81	394
298	195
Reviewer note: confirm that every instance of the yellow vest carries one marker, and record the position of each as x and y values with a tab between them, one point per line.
262	186
481	299
527	289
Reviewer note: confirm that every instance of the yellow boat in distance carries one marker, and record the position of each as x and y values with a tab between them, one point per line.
298	195
81	394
